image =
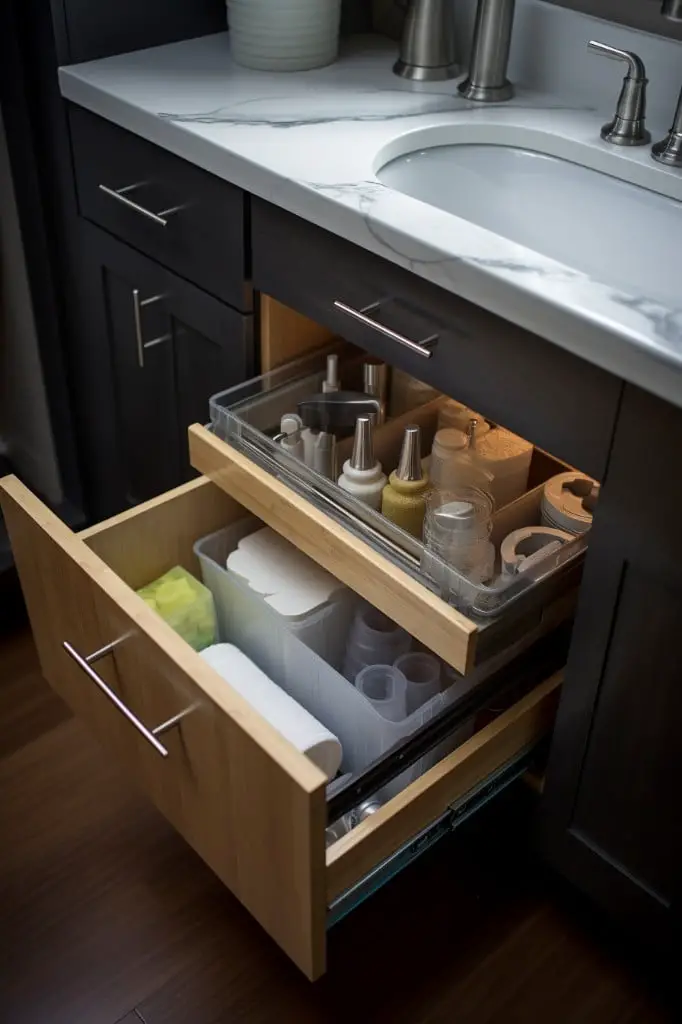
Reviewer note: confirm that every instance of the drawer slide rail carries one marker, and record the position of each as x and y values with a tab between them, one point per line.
456	815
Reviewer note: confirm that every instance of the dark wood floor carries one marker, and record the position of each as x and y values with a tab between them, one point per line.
106	915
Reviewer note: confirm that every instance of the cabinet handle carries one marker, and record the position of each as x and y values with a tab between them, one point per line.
120	194
138	305
420	347
85	663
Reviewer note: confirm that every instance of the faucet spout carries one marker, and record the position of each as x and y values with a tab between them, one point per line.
672	10
487	79
427	50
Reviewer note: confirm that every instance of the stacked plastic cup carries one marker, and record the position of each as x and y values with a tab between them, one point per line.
385	687
422	674
374	640
457	530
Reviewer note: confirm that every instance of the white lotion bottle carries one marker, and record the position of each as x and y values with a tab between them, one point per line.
362	474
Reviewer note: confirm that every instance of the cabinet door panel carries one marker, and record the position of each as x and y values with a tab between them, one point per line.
131	25
147	425
201	364
170	347
612	818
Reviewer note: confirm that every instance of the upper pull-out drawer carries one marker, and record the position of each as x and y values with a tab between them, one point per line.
181	216
554	399
458	639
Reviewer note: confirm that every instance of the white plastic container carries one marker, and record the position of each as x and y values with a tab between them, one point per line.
314	681
245	617
284	35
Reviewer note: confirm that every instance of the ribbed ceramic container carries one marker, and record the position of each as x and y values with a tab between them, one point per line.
284	35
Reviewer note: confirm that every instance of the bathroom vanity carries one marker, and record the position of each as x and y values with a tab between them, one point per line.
218	209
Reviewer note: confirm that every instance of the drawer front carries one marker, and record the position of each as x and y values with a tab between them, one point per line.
554	399
186	219
249	803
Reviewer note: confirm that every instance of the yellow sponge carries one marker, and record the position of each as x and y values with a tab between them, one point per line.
185	604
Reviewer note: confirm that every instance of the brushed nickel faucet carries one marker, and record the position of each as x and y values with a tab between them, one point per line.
487	80
669	150
427	50
672	10
627	126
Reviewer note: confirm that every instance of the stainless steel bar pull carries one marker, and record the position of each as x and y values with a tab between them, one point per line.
85	662
419	347
138	305
121	195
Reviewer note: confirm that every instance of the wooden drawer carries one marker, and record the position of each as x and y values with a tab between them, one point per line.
458	639
559	402
186	219
250	804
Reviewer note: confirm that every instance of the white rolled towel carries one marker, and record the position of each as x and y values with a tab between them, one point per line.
276	706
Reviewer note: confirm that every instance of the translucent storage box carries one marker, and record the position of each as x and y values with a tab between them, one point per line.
305	659
248	416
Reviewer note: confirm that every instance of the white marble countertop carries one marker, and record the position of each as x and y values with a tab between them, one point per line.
311	143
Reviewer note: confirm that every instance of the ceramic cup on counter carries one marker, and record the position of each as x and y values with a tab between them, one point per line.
284	35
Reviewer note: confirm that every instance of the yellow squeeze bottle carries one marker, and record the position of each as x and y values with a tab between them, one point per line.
403	500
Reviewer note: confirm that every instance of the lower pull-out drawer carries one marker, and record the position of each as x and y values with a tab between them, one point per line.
251	805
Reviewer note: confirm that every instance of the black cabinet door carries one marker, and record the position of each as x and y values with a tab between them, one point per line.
167	348
612	811
89	31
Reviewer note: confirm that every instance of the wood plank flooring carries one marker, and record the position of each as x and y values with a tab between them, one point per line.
107	916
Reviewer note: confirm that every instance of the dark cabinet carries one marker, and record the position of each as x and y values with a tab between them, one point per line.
165	347
181	217
556	400
130	25
612	812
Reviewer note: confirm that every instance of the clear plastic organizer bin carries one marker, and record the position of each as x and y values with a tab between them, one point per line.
247	417
305	659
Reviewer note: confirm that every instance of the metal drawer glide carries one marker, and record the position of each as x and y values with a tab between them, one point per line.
443	826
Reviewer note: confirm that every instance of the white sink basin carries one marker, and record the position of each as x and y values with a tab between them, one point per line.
619	233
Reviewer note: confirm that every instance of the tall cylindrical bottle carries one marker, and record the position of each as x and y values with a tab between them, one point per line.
362	474
404	498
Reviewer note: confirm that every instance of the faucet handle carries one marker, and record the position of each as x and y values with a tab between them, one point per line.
627	127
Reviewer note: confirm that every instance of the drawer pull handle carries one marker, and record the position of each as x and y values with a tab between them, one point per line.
120	194
138	306
420	347
85	663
